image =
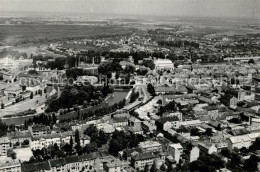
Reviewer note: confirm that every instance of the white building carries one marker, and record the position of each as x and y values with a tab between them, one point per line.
194	153
239	142
50	139
10	166
4	146
163	64
150	146
175	151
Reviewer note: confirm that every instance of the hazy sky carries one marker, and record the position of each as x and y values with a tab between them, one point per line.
203	8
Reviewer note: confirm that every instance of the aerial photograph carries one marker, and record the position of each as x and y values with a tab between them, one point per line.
129	85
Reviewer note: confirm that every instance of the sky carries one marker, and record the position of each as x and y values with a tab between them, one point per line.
196	8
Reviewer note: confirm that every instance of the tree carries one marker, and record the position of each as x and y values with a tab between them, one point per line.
153	168
54	118
2	106
151	89
194	132
31	95
169	169
17	144
79	149
11	153
226	153
77	137
146	168
92	147
208	132
251	61
149	63
114	147
251	164
163	168
255	145
134	96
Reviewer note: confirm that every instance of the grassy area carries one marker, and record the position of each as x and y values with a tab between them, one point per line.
18	34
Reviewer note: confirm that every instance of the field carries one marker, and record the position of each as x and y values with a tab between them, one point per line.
21	34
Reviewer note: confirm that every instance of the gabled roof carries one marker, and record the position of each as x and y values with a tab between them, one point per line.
239	139
57	162
144	156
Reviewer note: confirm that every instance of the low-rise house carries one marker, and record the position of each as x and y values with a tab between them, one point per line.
127	154
136	130
239	142
171	90
10	166
173	114
134	122
140	160
215	124
149	126
207	147
167	123
84	140
213	112
19	137
255	122
113	166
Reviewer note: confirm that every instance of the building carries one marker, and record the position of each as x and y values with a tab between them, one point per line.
112	167
175	151
149	126
177	114
150	146
19	137
40	142
10	166
167	123
194	154
119	121
207	147
4	146
239	142
255	122
163	64
39	130
140	160
89	162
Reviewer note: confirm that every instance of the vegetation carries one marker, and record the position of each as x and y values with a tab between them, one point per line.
97	137
120	140
207	162
134	96
43	119
149	63
3	128
76	72
170	107
151	89
178	43
77	95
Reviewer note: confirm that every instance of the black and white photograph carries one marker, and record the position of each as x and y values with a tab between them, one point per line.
129	85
